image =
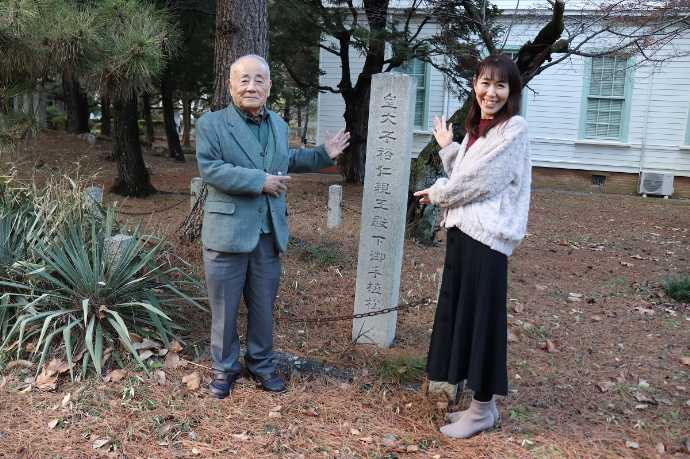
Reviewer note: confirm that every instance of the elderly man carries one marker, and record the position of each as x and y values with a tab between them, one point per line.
243	157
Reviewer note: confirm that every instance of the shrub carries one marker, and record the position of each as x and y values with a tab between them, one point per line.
678	288
56	118
71	293
402	370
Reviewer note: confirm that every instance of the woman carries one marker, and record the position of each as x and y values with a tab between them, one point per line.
486	200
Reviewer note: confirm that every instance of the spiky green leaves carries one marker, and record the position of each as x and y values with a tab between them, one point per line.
79	296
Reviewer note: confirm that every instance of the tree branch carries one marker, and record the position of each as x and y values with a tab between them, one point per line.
329	49
305	84
353	11
479	18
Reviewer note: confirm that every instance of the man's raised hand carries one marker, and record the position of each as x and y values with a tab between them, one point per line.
275	184
336	144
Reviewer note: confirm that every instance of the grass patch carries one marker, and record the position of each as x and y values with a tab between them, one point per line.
323	254
402	370
519	414
537	332
171	428
678	288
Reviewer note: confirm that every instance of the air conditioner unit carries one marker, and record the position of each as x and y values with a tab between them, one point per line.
656	183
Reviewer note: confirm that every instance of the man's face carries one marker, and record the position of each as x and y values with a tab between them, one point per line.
249	85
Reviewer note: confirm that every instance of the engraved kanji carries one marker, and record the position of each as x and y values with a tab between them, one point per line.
375	272
382	170
389	101
372	303
375	255
382	188
375	288
379	239
385	154
381	204
379	222
388	118
387	136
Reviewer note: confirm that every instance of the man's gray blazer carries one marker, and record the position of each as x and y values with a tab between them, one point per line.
229	159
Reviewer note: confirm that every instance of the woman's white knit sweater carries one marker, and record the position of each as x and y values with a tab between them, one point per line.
487	192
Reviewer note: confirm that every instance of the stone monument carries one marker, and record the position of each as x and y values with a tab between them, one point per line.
384	206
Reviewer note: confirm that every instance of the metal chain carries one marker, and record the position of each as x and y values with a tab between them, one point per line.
162	209
361	315
309	209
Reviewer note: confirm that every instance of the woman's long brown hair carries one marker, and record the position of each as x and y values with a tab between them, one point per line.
498	67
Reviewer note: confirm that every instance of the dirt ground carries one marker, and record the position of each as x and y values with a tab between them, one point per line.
594	358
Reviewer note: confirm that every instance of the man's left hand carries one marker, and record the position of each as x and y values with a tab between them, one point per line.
336	144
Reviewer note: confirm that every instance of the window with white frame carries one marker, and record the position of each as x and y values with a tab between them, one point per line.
607	99
420	71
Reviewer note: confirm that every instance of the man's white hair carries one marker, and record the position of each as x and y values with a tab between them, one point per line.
257	58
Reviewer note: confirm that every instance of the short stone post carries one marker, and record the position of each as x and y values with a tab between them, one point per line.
95	193
439	283
115	247
384	206
335	199
28	106
41	109
195	190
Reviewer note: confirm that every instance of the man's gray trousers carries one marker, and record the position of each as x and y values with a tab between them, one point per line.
256	275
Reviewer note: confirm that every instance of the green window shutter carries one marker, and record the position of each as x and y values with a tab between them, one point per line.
420	71
606	98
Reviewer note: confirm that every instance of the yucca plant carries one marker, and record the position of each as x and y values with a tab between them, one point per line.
20	229
83	297
16	234
31	217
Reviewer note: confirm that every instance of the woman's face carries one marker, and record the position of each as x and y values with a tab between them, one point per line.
491	94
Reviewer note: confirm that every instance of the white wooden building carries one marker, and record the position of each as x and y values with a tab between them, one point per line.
594	116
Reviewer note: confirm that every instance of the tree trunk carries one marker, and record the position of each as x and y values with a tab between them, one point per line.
186	120
148	120
167	89
241	28
76	105
105	117
132	177
287	113
356	116
356	98
427	167
306	125
425	170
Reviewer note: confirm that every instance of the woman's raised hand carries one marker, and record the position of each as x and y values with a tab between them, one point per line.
443	132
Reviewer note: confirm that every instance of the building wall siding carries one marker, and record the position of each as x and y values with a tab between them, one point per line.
659	110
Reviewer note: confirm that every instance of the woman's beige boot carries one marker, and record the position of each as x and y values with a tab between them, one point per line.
477	418
455	416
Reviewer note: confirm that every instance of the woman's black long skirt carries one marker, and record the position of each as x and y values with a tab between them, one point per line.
469	339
